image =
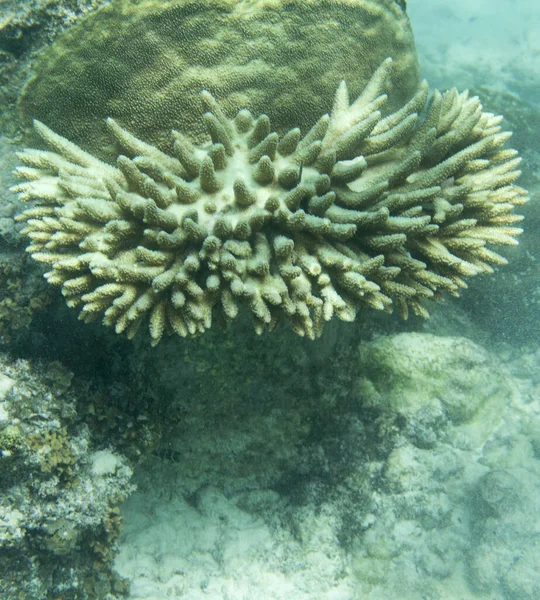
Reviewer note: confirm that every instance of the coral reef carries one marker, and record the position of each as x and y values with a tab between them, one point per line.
59	492
362	211
144	63
414	479
22	293
404	467
506	306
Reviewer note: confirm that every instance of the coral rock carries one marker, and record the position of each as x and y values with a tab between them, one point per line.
144	63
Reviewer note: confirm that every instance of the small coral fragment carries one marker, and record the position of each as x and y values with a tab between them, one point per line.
361	211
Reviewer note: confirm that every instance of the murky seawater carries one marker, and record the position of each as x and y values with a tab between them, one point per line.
384	460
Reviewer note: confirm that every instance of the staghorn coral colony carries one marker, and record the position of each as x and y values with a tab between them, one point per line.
361	211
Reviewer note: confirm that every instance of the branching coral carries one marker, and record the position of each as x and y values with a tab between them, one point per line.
362	211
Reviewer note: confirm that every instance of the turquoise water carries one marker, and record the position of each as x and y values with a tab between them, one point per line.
384	461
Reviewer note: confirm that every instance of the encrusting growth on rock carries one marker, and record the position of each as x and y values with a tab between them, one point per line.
361	211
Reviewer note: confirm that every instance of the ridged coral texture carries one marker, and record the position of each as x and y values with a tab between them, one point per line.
362	211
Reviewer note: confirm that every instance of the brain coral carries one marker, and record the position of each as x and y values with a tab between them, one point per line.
361	211
145	62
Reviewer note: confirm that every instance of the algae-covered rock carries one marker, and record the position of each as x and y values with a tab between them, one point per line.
274	468
59	495
145	62
22	296
432	380
26	26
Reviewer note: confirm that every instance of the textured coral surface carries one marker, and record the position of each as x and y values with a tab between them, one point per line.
144	63
361	211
